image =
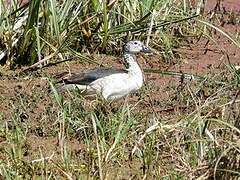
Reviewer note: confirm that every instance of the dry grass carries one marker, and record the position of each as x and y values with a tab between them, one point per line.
188	129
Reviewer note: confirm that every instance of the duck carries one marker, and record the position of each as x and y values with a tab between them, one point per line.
109	82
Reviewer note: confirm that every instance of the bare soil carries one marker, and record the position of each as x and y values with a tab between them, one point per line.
199	57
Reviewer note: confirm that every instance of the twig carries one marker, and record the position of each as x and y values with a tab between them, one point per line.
43	159
40	62
148	131
209	134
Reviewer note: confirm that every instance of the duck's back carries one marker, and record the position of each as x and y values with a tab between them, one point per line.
86	78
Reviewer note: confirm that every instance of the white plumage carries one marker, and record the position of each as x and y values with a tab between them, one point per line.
111	83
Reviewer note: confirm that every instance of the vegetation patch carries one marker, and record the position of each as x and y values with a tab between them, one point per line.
183	124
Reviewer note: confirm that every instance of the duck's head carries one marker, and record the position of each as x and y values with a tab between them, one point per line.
136	46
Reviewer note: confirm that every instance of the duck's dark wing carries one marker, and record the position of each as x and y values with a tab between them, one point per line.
85	78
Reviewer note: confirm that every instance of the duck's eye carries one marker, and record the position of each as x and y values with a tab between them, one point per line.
135	43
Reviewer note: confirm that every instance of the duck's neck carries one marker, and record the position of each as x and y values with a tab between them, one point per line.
131	64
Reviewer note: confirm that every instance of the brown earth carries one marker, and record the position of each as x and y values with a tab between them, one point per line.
200	58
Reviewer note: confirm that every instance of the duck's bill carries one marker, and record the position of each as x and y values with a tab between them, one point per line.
146	49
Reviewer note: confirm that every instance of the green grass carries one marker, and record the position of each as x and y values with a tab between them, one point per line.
61	28
191	133
47	136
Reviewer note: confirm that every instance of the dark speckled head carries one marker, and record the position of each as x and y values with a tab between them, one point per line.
136	46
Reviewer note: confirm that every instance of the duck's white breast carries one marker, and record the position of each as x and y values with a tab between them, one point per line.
117	86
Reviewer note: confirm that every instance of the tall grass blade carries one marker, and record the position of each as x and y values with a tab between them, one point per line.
58	97
27	43
97	144
226	124
237	43
54	20
185	75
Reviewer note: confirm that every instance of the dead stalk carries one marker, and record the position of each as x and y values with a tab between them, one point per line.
148	131
98	149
